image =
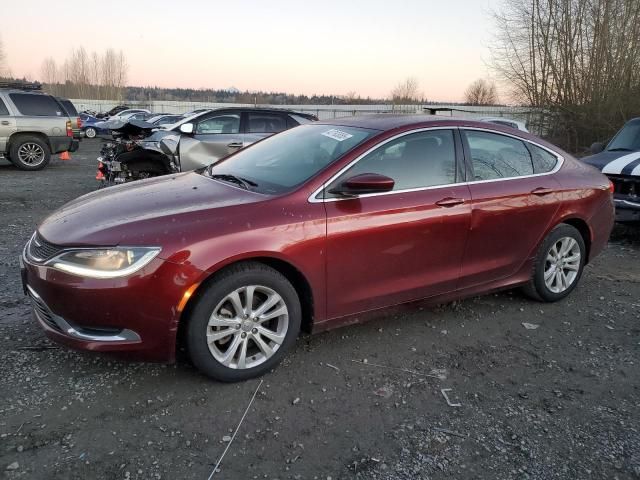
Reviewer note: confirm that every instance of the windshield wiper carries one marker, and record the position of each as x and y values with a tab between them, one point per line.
226	177
620	149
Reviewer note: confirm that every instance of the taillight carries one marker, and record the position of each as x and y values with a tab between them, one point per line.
612	187
69	129
79	121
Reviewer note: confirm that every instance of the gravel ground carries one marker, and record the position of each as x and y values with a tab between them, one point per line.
557	401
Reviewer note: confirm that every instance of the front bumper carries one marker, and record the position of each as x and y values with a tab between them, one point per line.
627	209
135	317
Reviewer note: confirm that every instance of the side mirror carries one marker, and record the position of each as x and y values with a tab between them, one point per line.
364	183
169	146
597	147
186	128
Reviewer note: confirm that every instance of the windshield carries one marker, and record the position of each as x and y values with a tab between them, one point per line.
288	159
628	138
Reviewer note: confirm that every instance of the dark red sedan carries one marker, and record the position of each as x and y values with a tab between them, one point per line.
312	228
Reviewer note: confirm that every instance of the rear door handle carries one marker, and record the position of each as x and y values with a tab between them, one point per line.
5	122
235	145
450	202
542	191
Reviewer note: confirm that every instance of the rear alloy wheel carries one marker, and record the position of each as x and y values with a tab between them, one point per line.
244	323
30	153
90	132
559	264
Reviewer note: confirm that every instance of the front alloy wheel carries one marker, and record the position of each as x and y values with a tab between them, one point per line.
247	327
243	322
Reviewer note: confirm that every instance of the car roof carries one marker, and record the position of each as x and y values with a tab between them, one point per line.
390	121
258	109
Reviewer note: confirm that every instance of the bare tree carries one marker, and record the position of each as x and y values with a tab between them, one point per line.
579	59
49	75
481	92
350	97
407	91
4	69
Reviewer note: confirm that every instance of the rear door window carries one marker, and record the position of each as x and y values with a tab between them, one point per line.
3	108
37	105
225	123
496	156
265	123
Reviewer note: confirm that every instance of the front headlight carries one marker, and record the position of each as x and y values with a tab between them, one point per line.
104	262
149	145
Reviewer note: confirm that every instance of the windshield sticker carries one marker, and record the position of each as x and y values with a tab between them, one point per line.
336	134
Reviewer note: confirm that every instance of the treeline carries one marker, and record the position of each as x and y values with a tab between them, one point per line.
578	60
235	96
99	76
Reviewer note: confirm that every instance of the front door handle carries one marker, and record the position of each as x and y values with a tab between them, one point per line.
5	122
450	202
235	145
540	191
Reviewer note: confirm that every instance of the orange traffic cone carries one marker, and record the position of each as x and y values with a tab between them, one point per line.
65	156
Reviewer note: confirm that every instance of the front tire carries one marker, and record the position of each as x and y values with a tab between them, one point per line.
29	153
558	265
243	323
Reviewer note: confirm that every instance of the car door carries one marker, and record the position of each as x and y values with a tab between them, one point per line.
213	138
512	205
259	125
402	245
7	126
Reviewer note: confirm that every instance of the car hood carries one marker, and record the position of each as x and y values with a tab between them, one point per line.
615	163
143	212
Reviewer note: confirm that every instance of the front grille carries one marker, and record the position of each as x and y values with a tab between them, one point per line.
627	186
43	312
41	250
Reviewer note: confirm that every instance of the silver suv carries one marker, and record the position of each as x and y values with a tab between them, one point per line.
33	125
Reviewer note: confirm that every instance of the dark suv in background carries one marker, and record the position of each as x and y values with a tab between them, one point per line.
33	125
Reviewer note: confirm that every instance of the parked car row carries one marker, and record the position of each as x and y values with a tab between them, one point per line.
197	140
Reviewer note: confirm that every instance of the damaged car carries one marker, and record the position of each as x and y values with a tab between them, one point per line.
620	161
322	225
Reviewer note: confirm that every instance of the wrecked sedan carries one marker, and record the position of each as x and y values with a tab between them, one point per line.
310	229
620	161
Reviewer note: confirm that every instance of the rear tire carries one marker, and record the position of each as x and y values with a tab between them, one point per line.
29	152
558	265
90	132
243	323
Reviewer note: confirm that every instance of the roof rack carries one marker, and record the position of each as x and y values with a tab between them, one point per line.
21	85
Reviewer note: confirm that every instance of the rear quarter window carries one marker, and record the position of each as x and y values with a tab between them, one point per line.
70	108
543	160
37	105
3	108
